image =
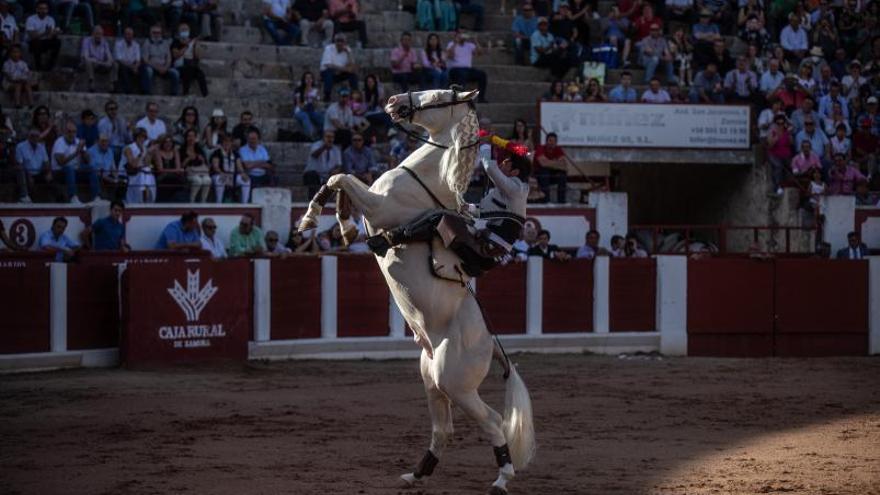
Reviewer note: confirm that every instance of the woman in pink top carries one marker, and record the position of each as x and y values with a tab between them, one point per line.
779	150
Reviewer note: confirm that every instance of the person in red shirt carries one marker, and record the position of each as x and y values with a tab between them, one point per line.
551	167
644	22
865	146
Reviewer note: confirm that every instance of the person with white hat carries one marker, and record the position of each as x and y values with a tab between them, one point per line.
871	115
213	131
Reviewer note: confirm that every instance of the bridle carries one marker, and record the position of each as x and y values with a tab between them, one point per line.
409	111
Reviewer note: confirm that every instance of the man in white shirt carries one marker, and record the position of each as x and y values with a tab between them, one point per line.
853	81
793	39
151	123
68	153
211	242
280	23
771	78
42	37
655	94
129	69
8	26
325	159
337	65
459	60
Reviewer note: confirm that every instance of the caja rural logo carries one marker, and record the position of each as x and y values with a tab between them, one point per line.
192	300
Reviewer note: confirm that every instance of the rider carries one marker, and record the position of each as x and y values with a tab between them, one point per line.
503	208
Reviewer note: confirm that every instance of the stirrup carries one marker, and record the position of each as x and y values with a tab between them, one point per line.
379	245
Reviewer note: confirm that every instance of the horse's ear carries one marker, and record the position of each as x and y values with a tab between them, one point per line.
468	95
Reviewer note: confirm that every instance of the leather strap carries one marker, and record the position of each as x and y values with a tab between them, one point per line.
415	176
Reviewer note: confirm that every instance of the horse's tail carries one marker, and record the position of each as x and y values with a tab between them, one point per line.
518	426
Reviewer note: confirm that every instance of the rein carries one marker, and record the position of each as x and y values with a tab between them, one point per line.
415	176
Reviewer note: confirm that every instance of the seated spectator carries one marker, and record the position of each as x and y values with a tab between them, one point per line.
707	87
818	140
568	33
434	63
170	175
325	160
864	196
32	164
655	93
17	78
181	235
817	189
865	146
274	248
256	161
767	116
346	17
406	66
474	7
108	233
280	21
87	129
556	92
136	164
188	121
205	17
546	52
544	249
793	40
872	115
591	247
151	123
66	8
228	171
826	102
623	92
247	238
791	95
529	237
720	55
614	29
314	20
210	241
632	249
839	143
42	37
680	10
839	64
741	84
96	56
772	79
358	160
644	23
195	164
185	58
843	177
245	124
805	112
853	82
551	167
524	24
753	33
9	33
307	106
676	96
824	81
806	161
68	156
340	118
779	151
156	53
102	160
805	78
705	34
54	241
617	246
855	249
129	68
436	15
653	51
594	92
835	120
338	65
459	59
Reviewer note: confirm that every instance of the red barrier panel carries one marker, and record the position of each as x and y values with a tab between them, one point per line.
821	307
296	298
363	297
502	292
187	311
568	296
632	294
730	307
24	304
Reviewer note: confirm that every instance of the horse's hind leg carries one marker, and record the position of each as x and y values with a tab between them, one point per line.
490	421
441	426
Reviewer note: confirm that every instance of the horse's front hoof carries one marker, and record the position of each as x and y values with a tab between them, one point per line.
307	224
410	479
350	235
497	491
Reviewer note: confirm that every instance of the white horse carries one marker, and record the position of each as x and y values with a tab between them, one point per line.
446	320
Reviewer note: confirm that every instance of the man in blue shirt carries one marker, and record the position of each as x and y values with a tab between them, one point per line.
623	92
103	161
826	103
54	241
108	233
358	159
256	161
523	26
182	234
32	164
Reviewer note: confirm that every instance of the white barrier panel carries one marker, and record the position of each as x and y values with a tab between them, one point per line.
672	304
145	222
617	125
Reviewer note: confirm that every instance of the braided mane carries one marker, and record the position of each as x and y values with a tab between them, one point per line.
458	162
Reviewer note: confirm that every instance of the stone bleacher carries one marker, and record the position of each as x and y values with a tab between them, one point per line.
247	72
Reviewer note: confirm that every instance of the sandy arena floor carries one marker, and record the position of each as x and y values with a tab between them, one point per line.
605	425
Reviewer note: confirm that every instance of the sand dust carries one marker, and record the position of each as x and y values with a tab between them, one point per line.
605	425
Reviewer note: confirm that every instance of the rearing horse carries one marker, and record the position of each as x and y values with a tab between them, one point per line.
457	349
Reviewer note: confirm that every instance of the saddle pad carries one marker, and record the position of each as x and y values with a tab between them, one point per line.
445	263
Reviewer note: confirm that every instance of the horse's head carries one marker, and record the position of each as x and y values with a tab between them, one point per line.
433	109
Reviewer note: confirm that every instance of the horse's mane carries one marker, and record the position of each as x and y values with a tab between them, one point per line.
458	162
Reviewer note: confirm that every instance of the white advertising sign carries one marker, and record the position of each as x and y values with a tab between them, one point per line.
643	125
